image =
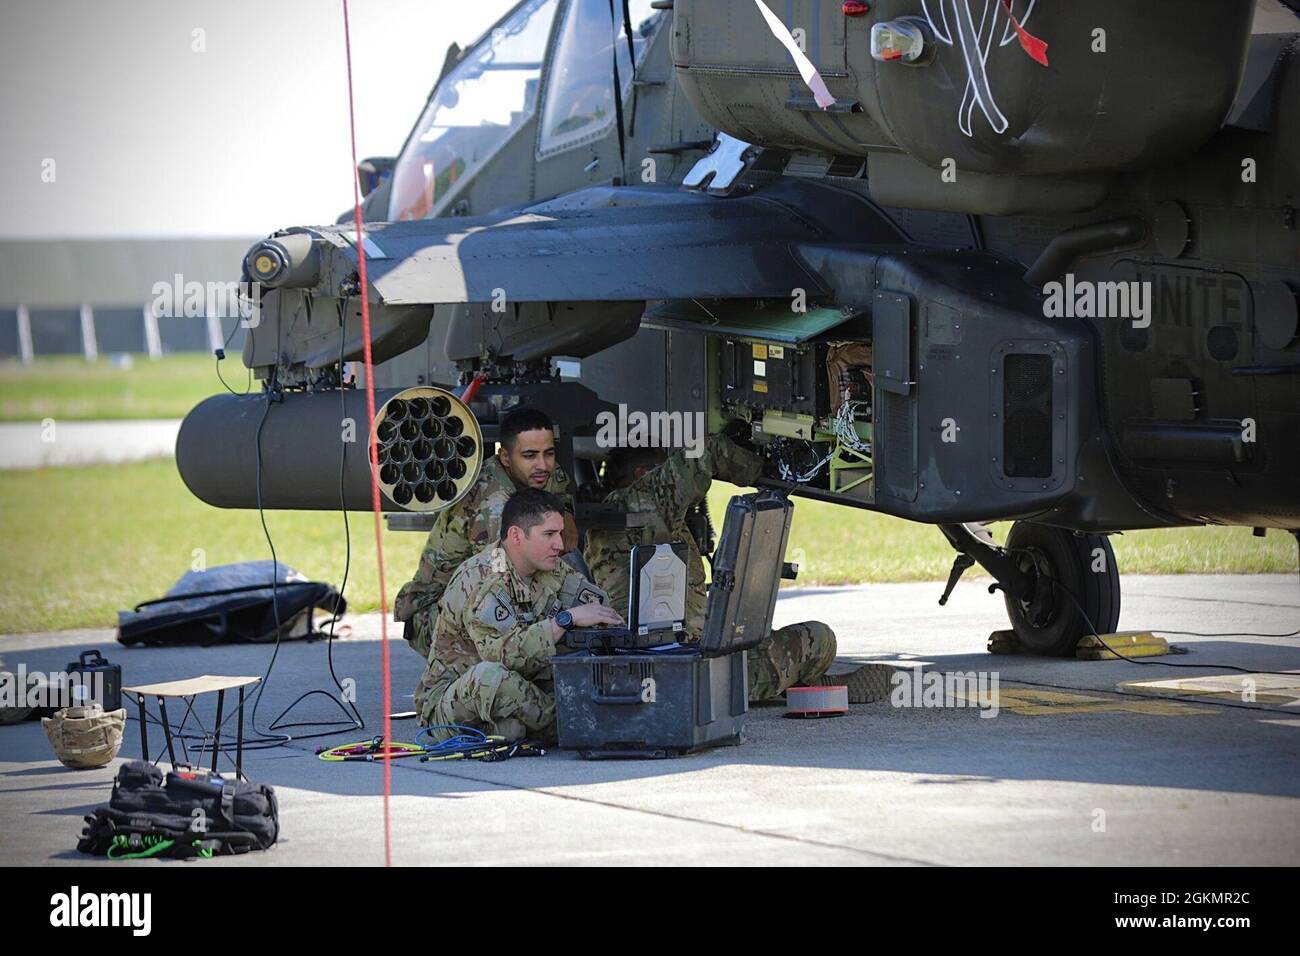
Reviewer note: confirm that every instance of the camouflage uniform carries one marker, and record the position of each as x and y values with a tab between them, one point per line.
662	496
458	533
492	644
792	656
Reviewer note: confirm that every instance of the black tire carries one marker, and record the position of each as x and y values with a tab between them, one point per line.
1070	600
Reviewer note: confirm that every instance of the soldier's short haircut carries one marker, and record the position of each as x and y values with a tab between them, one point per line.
622	463
527	508
520	420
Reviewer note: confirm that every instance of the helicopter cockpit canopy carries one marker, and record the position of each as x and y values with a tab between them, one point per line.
579	92
485	99
477	106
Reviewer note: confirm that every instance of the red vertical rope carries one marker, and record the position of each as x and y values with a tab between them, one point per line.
372	451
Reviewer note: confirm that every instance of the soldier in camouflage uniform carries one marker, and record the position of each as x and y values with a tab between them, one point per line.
661	494
524	459
498	624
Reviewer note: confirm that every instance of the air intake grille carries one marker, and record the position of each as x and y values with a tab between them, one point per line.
897	452
1026	376
1027	416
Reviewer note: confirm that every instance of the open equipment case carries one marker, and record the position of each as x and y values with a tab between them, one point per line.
678	698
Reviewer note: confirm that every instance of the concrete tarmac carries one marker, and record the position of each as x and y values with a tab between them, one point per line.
1075	768
57	444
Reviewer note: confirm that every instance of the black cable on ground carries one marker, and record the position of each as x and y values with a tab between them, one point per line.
1146	660
271	737
1295	633
1161	630
270	391
1183	697
357	722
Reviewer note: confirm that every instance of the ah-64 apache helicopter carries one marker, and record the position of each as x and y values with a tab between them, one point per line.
951	260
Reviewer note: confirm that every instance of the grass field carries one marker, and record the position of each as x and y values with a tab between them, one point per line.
71	389
81	543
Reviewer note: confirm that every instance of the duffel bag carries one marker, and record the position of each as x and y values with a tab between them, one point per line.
183	813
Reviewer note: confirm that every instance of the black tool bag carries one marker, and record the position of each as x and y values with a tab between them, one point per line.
184	813
231	604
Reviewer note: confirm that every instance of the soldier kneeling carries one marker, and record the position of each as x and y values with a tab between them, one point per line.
497	629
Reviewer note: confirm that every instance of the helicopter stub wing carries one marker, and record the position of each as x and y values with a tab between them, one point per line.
600	244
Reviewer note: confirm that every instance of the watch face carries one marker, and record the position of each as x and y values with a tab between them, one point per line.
564	619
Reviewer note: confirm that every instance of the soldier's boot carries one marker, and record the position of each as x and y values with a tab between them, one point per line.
866	683
793	655
496	700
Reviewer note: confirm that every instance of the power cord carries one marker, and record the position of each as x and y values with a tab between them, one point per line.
354	721
1295	633
357	722
221	352
1142	660
271	737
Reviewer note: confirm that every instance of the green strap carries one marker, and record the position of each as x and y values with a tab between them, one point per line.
122	842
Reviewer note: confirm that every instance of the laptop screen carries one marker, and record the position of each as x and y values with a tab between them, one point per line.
657	597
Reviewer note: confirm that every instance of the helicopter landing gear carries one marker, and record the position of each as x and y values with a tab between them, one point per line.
1073	587
1059	586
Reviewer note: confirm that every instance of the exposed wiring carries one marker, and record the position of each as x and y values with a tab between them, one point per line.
844	429
848	443
787	473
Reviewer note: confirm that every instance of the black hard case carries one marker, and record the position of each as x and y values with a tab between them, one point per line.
746	572
93	662
662	703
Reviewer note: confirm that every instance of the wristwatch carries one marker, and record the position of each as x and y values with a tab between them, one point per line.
564	619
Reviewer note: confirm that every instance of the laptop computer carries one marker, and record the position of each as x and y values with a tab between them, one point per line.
656	605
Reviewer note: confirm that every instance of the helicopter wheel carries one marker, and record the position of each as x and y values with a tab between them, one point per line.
1075	588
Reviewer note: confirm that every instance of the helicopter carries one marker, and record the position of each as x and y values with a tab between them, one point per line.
955	261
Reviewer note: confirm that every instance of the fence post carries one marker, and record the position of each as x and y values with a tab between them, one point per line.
214	332
24	335
89	344
152	340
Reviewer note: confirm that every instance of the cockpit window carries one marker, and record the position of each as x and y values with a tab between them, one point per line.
580	86
478	105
